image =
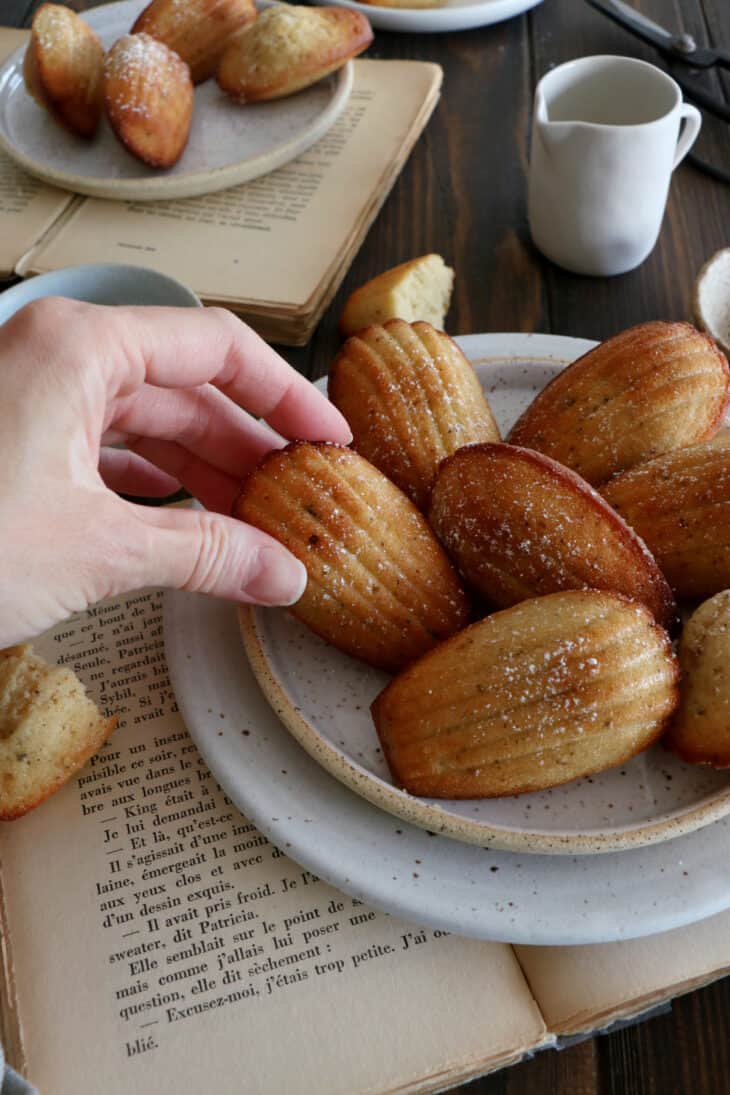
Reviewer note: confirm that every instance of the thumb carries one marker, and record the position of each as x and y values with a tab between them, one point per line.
208	553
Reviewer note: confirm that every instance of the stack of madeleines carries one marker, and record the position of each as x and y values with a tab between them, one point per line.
145	81
524	591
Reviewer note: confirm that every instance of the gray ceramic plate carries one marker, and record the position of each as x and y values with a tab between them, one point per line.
228	143
323	697
446	16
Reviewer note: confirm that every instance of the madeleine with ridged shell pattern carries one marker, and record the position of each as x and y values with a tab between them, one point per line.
199	31
62	68
679	504
700	730
646	391
547	691
411	399
148	95
380	586
519	525
288	48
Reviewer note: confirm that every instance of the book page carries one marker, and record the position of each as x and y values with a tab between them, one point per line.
584	988
273	241
27	206
160	943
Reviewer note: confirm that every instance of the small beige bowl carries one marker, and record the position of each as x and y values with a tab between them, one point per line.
711	299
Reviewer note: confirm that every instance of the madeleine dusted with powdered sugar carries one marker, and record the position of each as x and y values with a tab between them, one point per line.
289	48
646	391
48	729
199	31
552	689
411	399
679	504
518	525
62	68
148	95
380	586
700	730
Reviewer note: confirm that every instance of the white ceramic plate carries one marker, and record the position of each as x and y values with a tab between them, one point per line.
452	15
324	698
403	870
228	144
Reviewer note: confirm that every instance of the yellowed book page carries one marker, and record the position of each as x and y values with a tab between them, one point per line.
27	206
582	988
275	239
162	945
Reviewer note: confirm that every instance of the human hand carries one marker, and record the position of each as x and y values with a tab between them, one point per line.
172	384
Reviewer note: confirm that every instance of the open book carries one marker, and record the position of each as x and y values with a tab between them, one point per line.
155	942
273	250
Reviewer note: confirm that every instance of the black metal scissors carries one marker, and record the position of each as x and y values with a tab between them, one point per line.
681	48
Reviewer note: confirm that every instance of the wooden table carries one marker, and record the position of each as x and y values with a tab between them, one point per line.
463	194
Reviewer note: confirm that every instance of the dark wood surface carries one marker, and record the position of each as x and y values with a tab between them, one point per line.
463	194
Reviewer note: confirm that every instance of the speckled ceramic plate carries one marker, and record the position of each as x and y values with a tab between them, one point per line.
324	697
397	867
228	144
447	16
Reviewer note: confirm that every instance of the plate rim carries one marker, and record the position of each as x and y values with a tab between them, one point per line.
444	18
423	813
173	187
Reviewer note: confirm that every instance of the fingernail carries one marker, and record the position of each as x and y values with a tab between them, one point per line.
276	578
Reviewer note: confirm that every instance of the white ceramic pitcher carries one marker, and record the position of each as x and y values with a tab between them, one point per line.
604	145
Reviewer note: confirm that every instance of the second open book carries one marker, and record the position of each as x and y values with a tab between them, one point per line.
155	942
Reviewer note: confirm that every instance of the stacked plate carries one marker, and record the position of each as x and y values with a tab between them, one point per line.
287	733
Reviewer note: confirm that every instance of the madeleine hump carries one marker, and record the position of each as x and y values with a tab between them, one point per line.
62	68
411	399
148	95
649	390
380	586
48	729
289	48
679	504
519	525
550	690
199	31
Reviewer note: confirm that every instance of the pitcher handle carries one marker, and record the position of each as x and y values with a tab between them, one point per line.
692	118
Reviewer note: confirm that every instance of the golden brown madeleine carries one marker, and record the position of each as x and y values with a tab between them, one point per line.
380	586
48	729
148	96
288	48
648	390
552	689
518	525
418	289
700	729
63	67
679	504
411	398
197	30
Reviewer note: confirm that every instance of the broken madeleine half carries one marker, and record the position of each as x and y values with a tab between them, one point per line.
48	729
679	504
700	729
411	399
418	289
62	68
197	30
380	586
289	48
649	390
519	525
552	689
148	95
